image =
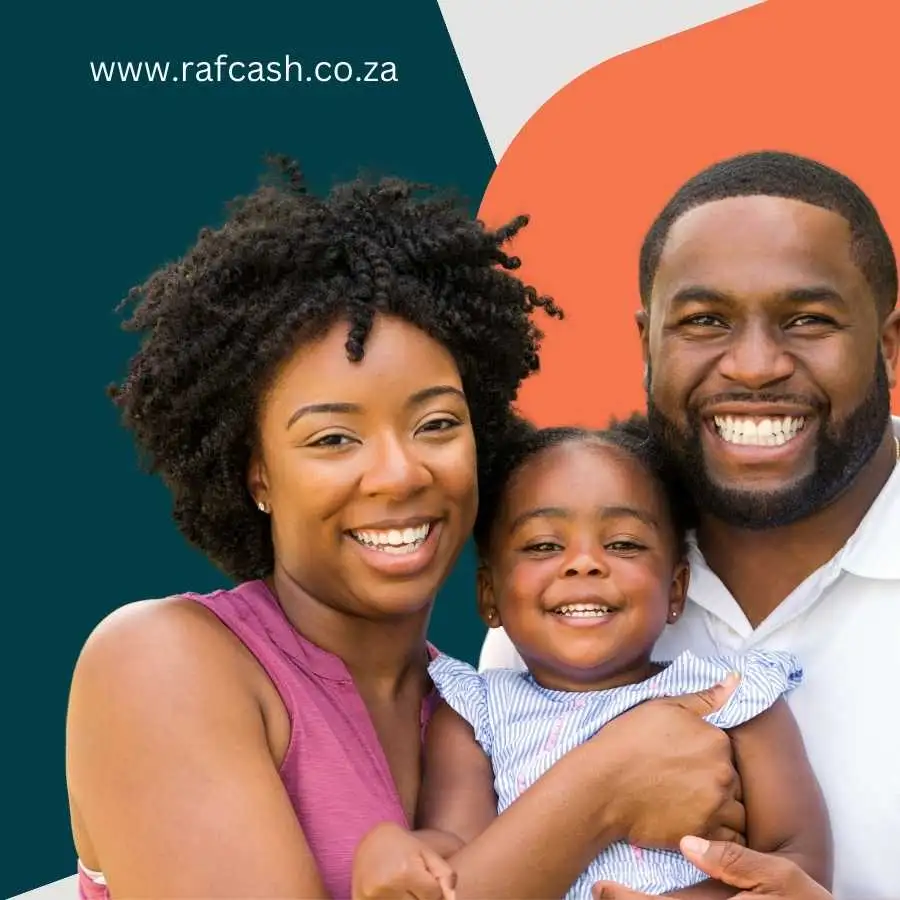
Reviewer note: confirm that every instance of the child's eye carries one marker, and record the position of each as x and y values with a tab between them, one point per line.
625	547
543	547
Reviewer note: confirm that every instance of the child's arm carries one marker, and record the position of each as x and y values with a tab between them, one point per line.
457	800
456	803
786	813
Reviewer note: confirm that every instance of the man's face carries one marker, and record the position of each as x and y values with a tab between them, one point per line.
769	373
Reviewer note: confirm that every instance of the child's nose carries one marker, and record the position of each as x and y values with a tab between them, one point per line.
584	564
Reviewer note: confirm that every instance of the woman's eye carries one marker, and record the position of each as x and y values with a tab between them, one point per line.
439	425
331	440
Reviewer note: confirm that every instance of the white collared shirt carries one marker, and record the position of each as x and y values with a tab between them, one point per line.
843	622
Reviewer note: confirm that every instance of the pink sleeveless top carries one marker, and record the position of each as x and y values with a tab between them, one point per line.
334	771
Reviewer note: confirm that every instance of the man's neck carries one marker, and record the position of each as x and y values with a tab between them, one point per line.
761	568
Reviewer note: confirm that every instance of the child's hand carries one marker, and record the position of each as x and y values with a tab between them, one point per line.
393	864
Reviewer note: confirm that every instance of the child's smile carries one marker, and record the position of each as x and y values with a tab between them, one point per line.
585	570
587	611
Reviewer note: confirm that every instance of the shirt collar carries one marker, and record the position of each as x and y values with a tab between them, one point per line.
873	550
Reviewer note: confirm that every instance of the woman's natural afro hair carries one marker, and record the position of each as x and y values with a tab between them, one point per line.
283	269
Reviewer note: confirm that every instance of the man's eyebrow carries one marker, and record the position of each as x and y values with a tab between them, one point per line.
697	293
817	293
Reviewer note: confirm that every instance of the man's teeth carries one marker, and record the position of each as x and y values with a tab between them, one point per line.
583	610
771	432
405	540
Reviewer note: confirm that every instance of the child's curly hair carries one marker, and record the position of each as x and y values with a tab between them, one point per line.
523	441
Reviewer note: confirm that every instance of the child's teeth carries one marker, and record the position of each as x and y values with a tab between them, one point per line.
583	610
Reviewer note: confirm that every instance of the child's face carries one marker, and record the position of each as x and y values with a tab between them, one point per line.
584	570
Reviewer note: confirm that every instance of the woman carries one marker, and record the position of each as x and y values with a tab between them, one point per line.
314	380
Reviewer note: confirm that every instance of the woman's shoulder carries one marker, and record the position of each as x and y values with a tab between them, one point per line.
167	666
188	615
177	617
164	705
174	636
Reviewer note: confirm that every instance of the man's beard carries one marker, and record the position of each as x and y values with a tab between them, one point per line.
842	450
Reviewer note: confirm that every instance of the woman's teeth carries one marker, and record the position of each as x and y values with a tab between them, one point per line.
397	541
583	610
771	432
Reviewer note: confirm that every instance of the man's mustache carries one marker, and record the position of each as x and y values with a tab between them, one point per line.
773	398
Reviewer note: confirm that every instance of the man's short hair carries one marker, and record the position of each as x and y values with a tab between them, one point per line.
779	174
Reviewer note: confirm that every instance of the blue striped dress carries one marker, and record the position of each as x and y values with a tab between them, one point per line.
525	728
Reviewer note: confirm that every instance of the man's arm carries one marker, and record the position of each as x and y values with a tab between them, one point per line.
757	874
786	813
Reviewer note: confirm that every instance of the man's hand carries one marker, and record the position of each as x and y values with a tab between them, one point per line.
754	874
393	864
675	773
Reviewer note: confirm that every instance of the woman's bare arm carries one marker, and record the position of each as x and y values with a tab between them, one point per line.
169	766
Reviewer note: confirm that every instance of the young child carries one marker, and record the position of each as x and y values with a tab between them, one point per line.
583	564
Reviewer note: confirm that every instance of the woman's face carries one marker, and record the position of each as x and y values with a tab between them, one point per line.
368	469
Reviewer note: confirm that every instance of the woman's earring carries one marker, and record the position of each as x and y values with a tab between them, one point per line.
262	507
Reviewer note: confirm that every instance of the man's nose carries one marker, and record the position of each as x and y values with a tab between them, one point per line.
756	358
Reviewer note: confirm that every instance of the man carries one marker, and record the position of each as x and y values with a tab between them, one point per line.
771	341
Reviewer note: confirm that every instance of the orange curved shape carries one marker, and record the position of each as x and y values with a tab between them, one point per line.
599	160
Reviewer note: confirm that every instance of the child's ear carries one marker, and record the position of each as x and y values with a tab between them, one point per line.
678	591
485	593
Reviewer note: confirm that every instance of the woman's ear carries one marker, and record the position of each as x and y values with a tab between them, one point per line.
258	485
